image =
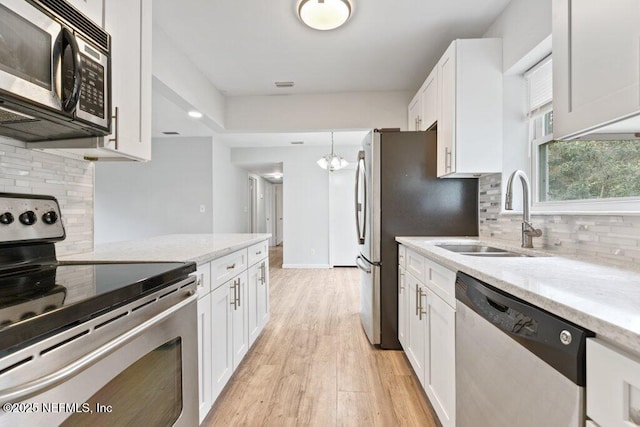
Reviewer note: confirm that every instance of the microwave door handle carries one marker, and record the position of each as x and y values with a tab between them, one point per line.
70	102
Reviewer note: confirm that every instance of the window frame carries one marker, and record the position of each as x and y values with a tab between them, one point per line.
607	206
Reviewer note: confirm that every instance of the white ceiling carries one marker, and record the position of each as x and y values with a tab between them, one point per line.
243	47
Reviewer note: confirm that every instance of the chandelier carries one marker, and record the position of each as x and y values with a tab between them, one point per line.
332	161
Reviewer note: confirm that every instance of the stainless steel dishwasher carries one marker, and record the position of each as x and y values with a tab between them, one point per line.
516	364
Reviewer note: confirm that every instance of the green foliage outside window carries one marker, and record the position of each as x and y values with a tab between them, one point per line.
578	170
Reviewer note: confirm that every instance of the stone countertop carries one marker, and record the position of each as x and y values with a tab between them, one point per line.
199	248
605	300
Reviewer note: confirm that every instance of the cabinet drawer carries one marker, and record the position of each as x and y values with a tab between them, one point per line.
258	252
203	278
441	281
415	264
223	269
402	254
613	385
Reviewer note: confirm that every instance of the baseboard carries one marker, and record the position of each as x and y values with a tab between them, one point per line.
308	266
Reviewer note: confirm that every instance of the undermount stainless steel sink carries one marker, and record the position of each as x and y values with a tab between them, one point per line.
481	250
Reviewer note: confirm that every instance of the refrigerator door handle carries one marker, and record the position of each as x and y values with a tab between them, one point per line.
361	265
361	207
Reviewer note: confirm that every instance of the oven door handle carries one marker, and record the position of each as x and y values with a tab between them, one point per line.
47	382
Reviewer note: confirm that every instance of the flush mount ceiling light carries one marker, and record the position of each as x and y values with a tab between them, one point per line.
332	161
324	14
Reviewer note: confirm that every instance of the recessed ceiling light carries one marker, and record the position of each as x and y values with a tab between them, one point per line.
324	14
195	114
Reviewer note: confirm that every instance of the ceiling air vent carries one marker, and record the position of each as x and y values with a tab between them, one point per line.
297	142
171	133
284	84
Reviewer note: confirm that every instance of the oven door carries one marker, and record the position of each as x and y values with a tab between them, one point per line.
136	365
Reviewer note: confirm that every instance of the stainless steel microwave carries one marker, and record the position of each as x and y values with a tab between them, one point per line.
55	68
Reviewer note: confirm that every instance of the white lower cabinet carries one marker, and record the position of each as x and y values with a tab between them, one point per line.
225	316
239	317
613	385
440	379
417	343
429	331
403	304
205	398
221	346
258	298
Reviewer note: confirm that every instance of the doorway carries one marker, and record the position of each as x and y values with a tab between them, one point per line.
253	205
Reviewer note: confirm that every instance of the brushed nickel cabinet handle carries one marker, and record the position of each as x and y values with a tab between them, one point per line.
238	285
420	295
447	159
231	267
115	132
235	295
417	301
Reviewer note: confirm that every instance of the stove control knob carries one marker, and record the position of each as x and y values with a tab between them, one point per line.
6	218
28	218
50	217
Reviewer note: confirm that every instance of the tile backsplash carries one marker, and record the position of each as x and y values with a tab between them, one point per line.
67	178
608	239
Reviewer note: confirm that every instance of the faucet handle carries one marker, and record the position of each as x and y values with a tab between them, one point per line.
530	230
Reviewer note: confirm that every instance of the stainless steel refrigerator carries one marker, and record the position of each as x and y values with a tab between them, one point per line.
398	194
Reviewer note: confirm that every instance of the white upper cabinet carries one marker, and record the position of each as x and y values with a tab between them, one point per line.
596	67
91	8
414	111
423	108
470	108
129	24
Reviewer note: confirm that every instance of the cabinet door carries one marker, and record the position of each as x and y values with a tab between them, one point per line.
429	97
440	373
205	397
239	317
255	275
447	111
221	339
596	63
414	111
417	348
129	24
403	310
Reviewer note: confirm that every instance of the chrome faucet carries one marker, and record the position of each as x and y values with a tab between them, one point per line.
528	230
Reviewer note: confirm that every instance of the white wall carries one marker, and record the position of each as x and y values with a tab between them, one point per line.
523	25
525	29
305	197
137	200
361	110
230	192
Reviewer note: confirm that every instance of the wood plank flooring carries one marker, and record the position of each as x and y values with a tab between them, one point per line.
313	365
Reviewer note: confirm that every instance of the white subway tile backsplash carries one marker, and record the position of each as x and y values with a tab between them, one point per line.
608	239
70	180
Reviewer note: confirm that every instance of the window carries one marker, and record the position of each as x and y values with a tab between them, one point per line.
578	175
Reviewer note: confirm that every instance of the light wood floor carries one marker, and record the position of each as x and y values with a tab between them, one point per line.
313	365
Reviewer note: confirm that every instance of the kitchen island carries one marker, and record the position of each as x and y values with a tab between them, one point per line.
233	294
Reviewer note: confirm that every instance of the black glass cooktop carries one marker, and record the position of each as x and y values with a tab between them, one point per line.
44	299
